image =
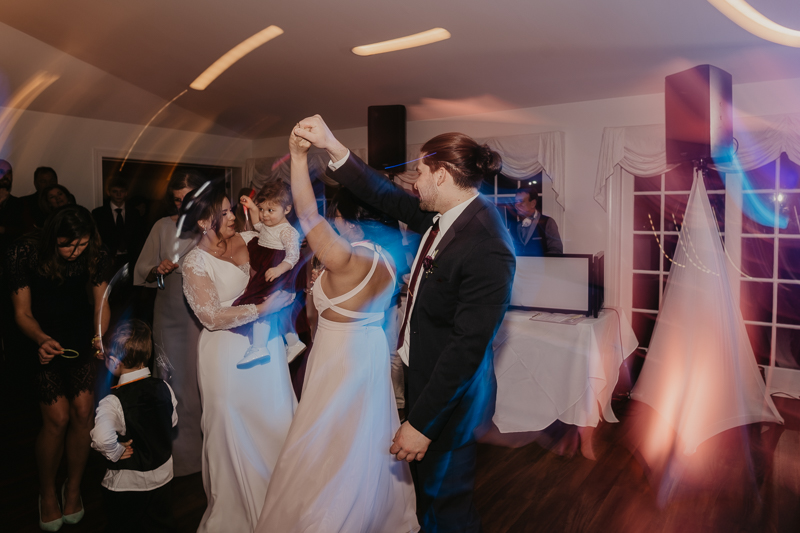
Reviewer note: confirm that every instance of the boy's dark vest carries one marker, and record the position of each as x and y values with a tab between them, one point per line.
147	407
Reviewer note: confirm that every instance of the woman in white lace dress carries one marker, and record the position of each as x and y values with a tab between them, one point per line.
246	411
335	473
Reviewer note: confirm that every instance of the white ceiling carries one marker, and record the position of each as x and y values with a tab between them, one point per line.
122	61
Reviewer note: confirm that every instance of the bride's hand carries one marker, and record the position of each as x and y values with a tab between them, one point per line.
275	302
298	145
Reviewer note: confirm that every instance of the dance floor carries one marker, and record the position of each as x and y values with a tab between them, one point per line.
525	489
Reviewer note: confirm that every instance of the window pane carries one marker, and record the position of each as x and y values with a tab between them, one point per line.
756	301
680	178
788	300
760	339
789	173
646	184
789	213
760	178
718	207
758	213
757	257
787	348
715	181
645	291
646	209
642	324
646	252
789	259
670	246
674	211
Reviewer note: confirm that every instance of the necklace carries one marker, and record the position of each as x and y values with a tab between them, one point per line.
221	255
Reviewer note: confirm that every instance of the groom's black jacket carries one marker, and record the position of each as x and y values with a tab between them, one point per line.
458	308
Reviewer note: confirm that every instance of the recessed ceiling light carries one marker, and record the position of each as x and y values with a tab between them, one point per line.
751	20
410	41
233	55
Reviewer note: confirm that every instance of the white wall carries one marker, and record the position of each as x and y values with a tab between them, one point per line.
585	228
73	147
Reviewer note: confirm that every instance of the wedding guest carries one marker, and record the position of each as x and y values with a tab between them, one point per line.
175	328
11	208
54	196
132	430
534	234
49	276
121	226
43	177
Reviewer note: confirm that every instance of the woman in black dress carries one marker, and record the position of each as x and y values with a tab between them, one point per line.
57	281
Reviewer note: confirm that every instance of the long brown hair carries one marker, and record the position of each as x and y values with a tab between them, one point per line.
71	222
467	161
203	203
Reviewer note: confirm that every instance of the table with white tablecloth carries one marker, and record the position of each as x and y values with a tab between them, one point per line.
548	371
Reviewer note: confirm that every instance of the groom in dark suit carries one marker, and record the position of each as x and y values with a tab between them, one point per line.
458	293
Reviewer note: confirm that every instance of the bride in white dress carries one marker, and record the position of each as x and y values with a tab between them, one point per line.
246	412
335	473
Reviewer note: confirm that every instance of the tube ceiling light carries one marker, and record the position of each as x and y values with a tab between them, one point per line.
233	55
410	41
751	20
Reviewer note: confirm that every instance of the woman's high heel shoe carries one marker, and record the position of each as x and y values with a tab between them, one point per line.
73	518
52	525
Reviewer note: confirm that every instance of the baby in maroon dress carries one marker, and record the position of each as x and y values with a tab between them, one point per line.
272	257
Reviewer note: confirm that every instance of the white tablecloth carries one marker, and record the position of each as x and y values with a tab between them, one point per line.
547	372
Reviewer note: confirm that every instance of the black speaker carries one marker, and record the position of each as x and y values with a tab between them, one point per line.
699	115
386	137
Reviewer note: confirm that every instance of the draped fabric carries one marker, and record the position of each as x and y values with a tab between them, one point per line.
523	156
641	150
700	373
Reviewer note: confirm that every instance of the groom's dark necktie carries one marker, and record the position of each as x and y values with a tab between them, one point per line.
423	252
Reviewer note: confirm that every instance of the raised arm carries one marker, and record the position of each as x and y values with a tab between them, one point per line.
364	181
333	251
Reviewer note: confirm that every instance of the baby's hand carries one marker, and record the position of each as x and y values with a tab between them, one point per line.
272	274
247	202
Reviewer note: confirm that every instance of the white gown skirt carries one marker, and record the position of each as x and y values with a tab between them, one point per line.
246	417
335	473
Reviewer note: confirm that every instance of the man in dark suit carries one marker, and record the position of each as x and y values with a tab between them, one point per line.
43	177
121	226
534	234
459	291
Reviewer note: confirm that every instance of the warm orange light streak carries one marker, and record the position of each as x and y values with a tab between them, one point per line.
20	101
409	41
233	55
744	15
145	127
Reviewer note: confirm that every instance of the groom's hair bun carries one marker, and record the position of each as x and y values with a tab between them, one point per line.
467	161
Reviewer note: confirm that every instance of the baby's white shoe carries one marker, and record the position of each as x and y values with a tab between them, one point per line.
252	355
295	348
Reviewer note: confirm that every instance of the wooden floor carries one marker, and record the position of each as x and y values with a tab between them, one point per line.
525	489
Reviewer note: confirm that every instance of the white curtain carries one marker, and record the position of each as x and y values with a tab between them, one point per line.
641	150
523	156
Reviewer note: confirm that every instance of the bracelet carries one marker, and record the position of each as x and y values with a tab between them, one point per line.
96	338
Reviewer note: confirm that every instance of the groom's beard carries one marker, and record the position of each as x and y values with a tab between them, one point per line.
428	197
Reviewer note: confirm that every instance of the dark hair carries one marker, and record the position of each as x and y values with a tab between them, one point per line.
70	222
373	222
532	193
117	182
132	343
44	207
275	191
467	161
185	179
203	203
45	170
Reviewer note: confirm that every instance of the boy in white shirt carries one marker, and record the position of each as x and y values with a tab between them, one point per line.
133	430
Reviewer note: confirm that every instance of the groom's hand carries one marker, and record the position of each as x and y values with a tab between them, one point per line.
314	130
409	444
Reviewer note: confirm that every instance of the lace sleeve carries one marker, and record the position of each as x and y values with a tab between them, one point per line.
290	239
102	273
201	293
21	260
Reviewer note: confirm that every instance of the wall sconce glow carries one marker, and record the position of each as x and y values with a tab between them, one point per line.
410	41
233	55
751	20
